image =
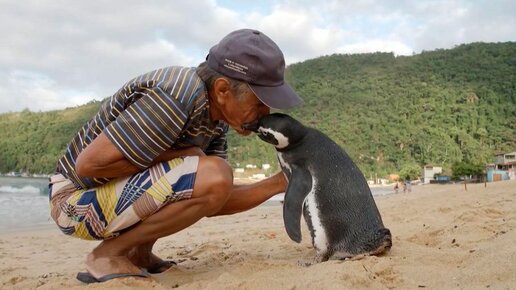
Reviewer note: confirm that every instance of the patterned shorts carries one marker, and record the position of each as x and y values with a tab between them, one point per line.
102	212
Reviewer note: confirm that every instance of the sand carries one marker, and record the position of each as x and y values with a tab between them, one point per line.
443	238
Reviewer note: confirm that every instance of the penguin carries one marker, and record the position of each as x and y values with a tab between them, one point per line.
327	188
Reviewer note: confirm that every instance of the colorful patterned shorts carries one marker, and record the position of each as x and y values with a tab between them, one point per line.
102	212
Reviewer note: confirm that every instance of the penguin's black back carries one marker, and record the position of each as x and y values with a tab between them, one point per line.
346	205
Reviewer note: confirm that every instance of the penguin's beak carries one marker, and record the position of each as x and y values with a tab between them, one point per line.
253	126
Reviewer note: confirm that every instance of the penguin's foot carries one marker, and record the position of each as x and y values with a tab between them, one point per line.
319	257
356	257
306	263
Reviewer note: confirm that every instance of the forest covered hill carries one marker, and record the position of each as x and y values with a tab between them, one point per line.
388	112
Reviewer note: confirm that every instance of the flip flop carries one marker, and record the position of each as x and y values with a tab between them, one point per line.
87	278
161	267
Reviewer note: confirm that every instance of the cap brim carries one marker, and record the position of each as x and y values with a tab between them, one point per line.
280	97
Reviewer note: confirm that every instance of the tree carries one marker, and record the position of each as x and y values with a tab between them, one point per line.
466	169
410	172
437	107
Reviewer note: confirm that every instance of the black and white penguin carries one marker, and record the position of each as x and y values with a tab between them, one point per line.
327	187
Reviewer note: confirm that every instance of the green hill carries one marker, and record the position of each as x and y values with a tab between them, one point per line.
33	142
437	107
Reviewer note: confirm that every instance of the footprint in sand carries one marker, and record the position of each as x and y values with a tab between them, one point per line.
480	214
427	238
389	277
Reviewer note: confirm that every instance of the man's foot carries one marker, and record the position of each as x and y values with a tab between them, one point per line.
161	267
103	268
147	260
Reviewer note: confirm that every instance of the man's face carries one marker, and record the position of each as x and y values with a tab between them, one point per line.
244	109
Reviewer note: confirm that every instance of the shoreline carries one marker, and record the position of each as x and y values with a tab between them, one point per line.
443	238
24	202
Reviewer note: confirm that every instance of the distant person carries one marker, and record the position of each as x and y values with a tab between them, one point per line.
408	185
152	162
396	187
404	186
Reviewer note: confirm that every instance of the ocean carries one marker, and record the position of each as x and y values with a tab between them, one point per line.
24	202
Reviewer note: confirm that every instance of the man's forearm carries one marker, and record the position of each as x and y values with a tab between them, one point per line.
102	159
176	153
116	169
246	196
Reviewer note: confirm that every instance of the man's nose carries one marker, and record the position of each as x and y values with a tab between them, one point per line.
253	126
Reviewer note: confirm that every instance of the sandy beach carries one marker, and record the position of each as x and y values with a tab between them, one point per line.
443	238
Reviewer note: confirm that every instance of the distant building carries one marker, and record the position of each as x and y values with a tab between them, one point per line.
442	179
258	176
429	171
504	167
504	159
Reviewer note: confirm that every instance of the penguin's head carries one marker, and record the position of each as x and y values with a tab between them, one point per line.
278	129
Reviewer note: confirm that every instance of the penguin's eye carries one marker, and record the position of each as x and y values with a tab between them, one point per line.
266	134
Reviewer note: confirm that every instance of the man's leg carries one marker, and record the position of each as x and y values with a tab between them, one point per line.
212	188
210	198
242	198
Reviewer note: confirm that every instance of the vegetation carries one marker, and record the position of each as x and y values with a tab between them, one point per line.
410	172
33	142
438	107
467	169
391	114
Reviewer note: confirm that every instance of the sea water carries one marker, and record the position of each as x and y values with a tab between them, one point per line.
24	202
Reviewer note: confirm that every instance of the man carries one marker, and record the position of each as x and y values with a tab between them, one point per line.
152	161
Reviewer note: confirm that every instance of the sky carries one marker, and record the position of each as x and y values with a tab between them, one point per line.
56	53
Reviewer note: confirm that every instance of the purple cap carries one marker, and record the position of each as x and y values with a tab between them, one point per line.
251	56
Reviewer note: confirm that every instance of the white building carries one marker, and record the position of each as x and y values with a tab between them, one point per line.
429	171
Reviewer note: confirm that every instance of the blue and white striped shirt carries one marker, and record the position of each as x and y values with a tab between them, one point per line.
163	109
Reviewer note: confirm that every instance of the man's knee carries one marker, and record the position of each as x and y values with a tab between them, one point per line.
216	171
214	181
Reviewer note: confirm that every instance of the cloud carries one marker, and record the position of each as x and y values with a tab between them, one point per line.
38	91
57	53
94	47
297	36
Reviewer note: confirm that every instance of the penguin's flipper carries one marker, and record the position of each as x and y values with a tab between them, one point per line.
299	185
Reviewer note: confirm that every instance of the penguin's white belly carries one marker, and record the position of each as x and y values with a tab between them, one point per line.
320	240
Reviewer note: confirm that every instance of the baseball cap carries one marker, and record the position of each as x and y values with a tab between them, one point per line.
251	56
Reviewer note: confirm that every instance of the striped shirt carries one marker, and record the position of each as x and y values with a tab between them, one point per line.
163	109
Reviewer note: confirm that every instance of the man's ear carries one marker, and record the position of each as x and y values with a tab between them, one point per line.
222	90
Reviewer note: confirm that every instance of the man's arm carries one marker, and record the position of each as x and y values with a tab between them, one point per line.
246	196
103	159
